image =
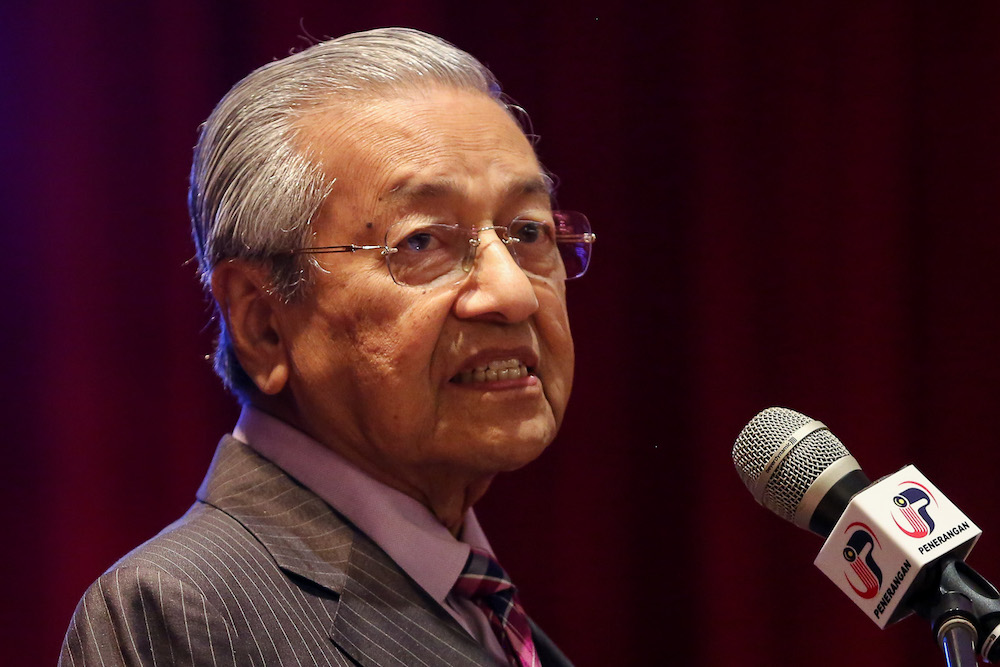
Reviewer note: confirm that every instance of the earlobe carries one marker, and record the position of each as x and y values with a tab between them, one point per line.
250	312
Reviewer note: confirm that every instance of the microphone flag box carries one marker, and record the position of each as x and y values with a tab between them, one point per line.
885	538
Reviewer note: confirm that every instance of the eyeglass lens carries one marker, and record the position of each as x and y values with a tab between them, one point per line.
425	252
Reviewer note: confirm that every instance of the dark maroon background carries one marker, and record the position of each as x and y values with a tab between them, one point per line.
797	205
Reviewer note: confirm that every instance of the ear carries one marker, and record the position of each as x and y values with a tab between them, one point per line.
250	312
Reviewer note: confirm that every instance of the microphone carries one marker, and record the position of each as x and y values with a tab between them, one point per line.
795	467
893	547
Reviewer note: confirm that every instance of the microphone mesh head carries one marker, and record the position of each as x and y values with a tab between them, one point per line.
759	441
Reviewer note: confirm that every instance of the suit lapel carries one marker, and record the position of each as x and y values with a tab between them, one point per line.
385	619
382	617
548	653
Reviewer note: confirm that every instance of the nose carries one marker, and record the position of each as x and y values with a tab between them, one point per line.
497	288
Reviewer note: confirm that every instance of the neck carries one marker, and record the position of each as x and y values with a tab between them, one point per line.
451	508
448	492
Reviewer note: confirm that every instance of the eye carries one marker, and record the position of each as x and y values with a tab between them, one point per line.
419	241
531	231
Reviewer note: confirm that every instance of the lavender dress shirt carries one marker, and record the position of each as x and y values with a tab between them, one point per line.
403	527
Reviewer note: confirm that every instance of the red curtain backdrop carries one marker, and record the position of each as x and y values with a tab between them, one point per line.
796	205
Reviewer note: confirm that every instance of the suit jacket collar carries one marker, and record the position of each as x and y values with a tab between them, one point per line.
383	618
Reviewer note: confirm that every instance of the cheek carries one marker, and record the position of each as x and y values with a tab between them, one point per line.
367	368
557	341
388	342
393	378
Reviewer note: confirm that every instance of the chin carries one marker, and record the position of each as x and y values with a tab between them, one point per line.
518	451
498	447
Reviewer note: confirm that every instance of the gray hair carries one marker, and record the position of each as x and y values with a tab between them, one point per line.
255	188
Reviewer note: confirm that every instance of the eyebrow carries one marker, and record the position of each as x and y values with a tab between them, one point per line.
445	187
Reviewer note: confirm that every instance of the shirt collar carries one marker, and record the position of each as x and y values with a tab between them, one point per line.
402	526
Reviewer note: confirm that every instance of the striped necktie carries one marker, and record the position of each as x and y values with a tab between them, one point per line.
485	583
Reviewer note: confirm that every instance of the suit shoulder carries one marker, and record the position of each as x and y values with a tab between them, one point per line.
196	546
204	588
144	615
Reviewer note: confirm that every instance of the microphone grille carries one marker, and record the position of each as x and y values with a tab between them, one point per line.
763	437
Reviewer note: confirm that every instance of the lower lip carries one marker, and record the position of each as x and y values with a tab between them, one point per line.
499	385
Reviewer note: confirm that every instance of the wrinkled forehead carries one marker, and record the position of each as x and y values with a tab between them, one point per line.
433	145
410	115
413	191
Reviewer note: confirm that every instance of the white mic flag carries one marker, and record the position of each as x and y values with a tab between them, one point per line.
880	537
886	537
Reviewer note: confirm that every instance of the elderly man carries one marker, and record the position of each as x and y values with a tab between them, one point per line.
389	277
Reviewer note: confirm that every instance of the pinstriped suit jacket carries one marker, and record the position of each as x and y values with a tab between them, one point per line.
260	571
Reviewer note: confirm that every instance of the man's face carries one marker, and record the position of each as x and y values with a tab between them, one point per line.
379	371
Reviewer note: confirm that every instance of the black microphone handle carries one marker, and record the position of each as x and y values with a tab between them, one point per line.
835	501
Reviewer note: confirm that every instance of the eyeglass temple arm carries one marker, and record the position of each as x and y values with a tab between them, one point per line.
323	250
585	237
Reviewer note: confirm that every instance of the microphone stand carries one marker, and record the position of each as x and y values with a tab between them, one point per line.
955	630
964	611
959	645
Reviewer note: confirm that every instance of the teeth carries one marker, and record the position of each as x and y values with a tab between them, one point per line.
506	369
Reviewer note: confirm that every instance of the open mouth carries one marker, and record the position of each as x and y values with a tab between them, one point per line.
495	371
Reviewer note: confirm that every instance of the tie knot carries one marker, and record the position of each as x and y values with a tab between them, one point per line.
482	577
485	583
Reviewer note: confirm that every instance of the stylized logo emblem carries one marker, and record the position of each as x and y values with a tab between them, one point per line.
910	511
867	575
